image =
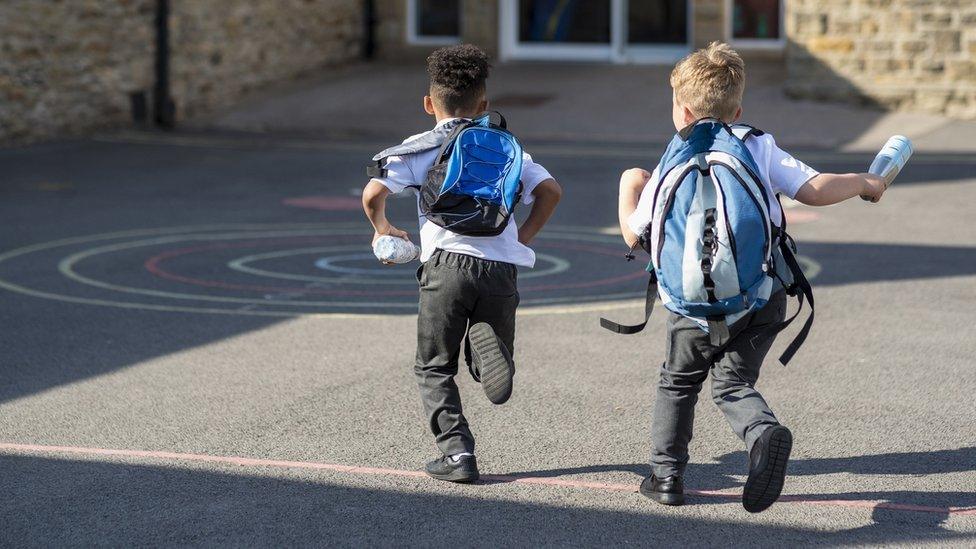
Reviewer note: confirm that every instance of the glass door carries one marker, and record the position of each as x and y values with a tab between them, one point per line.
595	30
657	31
557	29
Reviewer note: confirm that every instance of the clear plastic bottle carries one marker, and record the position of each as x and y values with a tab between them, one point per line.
393	249
891	159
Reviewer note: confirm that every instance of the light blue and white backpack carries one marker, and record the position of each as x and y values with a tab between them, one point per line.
714	249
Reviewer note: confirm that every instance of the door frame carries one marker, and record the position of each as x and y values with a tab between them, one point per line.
616	51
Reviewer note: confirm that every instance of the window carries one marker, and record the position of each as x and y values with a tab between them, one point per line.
564	21
618	31
755	23
433	22
661	22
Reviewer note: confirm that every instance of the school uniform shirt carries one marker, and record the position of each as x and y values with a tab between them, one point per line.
779	172
408	172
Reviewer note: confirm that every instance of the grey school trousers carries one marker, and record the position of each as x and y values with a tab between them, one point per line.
735	369
456	291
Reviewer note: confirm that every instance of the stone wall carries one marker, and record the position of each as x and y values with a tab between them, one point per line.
903	54
68	66
223	49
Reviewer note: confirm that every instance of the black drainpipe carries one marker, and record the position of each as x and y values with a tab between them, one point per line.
164	109
369	29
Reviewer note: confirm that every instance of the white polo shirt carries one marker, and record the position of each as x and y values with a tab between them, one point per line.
778	171
408	171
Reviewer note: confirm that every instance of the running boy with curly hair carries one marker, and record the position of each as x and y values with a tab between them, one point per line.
468	291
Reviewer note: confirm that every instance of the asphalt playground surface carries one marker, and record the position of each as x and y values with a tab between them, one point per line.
198	350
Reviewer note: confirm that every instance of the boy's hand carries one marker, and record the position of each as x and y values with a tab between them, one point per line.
389	230
874	187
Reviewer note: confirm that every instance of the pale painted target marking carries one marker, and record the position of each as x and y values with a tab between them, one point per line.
244	264
159	236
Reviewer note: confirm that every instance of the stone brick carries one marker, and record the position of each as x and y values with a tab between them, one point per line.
912	47
830	45
939	18
945	41
961	70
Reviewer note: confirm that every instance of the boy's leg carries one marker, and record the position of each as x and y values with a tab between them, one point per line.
446	300
735	374
497	301
733	390
689	357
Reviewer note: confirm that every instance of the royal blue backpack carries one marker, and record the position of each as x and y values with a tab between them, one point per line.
475	183
714	250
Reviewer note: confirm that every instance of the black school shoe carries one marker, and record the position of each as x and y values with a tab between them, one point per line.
666	491
465	469
767	468
492	361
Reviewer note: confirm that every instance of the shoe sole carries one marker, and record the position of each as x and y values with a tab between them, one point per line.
663	498
460	477
493	362
766	483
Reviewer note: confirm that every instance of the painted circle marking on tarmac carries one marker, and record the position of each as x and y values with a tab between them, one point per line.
331	263
244	264
246	306
580	239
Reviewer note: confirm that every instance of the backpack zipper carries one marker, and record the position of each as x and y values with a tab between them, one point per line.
768	230
667	207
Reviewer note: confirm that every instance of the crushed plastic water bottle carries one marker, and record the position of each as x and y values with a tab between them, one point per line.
394	249
892	158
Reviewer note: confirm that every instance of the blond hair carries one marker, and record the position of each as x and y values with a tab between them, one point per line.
710	81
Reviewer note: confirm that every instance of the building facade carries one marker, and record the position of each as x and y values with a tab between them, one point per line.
906	54
71	66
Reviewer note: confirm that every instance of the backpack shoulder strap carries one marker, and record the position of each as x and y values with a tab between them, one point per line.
745	131
425	142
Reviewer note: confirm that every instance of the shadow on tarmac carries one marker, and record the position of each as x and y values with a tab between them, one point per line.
50	349
855	262
718	476
58	502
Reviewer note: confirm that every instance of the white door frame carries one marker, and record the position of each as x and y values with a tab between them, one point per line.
616	51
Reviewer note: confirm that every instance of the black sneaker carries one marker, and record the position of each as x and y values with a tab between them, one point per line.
492	362
767	468
465	469
666	491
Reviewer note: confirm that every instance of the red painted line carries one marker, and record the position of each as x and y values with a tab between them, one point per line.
380	471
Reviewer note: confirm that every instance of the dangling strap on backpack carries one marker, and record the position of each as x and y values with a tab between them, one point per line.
648	308
428	141
801	289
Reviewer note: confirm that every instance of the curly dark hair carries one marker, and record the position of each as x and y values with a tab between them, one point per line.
457	77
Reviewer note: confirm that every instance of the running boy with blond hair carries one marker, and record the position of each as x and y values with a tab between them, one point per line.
723	264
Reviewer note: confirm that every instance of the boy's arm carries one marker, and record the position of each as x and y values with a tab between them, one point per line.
632	183
830	188
374	204
546	196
